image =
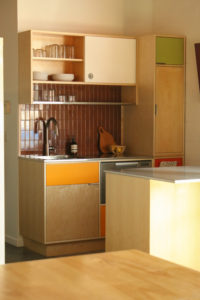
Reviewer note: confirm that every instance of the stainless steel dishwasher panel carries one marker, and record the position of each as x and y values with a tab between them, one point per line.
118	166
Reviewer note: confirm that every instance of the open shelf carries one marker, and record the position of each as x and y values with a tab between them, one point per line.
82	103
57	59
80	82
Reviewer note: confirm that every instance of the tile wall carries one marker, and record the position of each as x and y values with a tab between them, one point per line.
79	121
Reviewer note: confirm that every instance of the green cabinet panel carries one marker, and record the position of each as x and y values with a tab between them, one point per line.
169	50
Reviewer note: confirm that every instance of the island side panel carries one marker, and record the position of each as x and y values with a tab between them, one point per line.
127	213
175	222
31	199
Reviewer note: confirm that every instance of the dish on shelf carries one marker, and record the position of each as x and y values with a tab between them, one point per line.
40	75
62	77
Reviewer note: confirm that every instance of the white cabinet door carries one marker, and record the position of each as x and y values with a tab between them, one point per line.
110	60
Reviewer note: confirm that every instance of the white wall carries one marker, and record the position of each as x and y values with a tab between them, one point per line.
182	17
137	17
92	16
2	213
8	30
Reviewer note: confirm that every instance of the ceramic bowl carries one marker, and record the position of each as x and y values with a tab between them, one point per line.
117	149
63	77
40	76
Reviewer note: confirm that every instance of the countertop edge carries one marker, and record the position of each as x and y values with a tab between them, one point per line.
75	160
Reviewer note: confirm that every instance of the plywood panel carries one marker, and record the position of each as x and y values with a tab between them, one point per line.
175	222
127	213
72	212
139	120
25	68
169	120
31	199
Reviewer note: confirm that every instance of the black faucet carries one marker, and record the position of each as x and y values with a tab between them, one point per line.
45	132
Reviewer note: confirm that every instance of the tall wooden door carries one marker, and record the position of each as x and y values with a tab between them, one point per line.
169	118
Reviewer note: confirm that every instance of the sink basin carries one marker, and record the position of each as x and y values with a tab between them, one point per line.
50	157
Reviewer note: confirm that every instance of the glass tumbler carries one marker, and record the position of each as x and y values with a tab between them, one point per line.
62	51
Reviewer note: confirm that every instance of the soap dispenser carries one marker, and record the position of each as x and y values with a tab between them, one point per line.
73	147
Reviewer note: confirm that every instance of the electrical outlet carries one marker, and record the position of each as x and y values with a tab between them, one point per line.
7	107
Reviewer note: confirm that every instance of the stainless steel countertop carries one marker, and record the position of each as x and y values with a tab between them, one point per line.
87	159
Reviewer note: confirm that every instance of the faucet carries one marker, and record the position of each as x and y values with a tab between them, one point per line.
46	124
47	132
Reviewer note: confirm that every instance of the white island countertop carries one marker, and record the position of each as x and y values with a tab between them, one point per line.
169	174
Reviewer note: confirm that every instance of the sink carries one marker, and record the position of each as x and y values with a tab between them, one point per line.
50	157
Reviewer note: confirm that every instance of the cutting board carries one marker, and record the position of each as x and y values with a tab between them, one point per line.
105	139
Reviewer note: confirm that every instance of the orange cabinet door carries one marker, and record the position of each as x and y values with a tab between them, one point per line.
102	220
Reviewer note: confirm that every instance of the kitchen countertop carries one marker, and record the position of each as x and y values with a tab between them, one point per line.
103	158
168	174
113	275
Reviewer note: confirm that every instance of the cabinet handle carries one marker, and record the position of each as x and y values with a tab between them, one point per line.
94	183
156	109
90	76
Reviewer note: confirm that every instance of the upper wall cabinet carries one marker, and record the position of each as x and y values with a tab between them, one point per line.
46	57
169	50
110	60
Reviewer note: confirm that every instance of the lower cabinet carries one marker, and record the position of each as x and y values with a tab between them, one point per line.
60	207
72	212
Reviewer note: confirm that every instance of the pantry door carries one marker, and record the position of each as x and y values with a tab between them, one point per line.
2	197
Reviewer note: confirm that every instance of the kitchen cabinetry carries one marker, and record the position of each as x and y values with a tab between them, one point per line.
97	60
156	126
59	207
110	60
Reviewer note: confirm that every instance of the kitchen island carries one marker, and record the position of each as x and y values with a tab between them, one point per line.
156	210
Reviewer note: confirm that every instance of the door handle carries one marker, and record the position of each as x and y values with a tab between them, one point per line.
156	109
126	164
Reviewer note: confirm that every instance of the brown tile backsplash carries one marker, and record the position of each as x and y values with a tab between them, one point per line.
79	121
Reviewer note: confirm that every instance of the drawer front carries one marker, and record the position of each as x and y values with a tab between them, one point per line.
75	173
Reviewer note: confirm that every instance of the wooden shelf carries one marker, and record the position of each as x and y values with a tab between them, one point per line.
80	82
82	103
57	59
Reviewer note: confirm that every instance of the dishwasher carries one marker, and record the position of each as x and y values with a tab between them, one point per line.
104	166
